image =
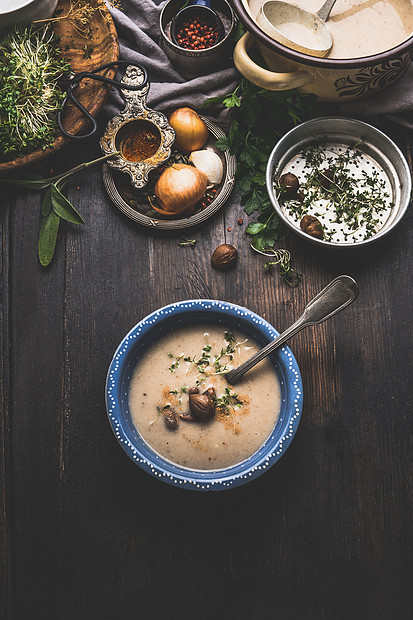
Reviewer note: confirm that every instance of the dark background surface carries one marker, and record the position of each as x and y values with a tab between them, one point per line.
85	534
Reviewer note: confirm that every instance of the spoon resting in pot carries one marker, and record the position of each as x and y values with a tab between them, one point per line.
336	296
297	28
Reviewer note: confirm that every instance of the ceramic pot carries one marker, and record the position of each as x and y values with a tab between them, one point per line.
330	79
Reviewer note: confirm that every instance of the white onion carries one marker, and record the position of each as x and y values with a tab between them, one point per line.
210	163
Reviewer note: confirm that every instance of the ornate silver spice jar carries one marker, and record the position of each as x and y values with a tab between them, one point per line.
137	120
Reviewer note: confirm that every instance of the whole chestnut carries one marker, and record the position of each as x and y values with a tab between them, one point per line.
224	257
202	406
289	184
326	177
312	226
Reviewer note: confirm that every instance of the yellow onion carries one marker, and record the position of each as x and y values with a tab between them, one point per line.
179	188
191	133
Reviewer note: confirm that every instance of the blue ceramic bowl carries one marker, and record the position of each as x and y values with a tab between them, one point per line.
161	322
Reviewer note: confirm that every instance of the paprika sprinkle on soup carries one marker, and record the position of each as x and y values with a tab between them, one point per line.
141	143
197	34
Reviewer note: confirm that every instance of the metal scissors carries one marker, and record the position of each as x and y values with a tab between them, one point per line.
74	83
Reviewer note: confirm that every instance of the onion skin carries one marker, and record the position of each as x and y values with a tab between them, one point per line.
179	188
191	133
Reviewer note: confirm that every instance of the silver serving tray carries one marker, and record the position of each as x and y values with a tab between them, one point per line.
114	186
379	154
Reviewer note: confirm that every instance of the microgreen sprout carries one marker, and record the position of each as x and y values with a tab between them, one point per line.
30	96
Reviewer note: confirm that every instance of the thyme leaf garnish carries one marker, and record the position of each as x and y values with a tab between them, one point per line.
334	182
187	242
228	401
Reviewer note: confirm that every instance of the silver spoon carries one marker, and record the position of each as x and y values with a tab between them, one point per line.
336	296
311	34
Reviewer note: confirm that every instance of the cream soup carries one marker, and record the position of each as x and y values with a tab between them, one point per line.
197	357
360	28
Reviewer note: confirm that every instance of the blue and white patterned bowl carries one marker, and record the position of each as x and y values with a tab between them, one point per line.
161	322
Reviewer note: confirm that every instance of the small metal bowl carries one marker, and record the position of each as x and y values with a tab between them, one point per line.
378	155
193	63
137	115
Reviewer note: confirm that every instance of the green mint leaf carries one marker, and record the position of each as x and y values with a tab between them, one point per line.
252	203
232	101
255	227
233	129
63	208
259	178
244	183
47	238
265	239
213	99
222	144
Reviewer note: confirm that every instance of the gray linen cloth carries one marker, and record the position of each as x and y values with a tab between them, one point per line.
138	30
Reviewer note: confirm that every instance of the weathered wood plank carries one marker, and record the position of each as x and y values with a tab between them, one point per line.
324	534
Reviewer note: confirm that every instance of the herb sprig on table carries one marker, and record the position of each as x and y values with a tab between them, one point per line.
55	205
259	117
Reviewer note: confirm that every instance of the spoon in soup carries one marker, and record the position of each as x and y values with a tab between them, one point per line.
297	28
336	296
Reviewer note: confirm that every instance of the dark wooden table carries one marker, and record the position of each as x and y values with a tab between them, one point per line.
85	534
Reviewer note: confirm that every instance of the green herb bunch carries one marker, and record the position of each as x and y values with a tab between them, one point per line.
30	69
259	118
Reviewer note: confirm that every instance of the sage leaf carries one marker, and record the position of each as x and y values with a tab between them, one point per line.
47	238
63	208
47	203
30	184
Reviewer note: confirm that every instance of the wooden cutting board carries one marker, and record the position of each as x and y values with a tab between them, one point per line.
84	51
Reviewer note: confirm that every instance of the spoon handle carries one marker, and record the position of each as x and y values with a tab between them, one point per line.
325	10
338	294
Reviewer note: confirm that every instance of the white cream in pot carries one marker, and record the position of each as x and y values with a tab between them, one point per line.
360	28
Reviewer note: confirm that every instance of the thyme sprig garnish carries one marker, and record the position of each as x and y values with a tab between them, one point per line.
208	364
175	364
282	259
160	409
333	181
228	401
187	242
